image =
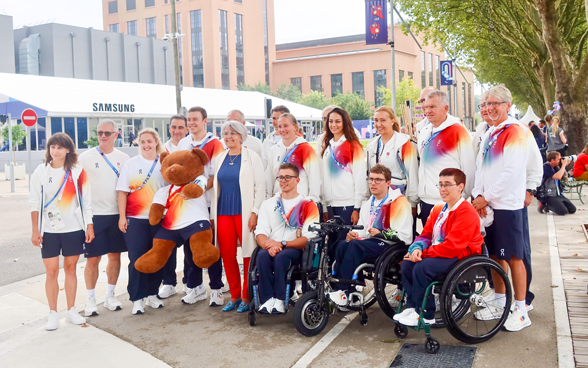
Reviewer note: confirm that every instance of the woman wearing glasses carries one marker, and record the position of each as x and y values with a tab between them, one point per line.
61	215
344	169
238	192
139	180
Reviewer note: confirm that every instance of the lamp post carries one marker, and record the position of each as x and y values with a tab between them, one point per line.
175	36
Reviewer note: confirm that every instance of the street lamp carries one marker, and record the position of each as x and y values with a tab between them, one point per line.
175	36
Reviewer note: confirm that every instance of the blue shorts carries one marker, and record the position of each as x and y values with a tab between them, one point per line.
182	235
66	244
107	237
504	238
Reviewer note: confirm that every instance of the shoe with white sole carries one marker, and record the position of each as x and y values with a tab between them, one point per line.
186	289
491	312
91	309
111	303
517	320
216	298
268	306
394	299
166	291
279	307
138	307
154	302
529	307
72	316
52	321
197	294
489	298
412	319
338	297
403	314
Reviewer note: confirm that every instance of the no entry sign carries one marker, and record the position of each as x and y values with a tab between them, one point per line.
29	117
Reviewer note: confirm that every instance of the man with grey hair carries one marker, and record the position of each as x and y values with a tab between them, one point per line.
423	123
102	166
444	143
251	142
178	128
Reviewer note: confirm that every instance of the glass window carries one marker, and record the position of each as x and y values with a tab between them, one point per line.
224	49
430	69
56	125
265	42
69	125
41	133
357	83
336	84
239	48
151	28
410	75
197	56
179	25
297	82
469	100
316	83
149	3
166	24
239	1
131	5
132	27
82	132
400	75
423	70
437	71
113	28
112	7
165	1
463	93
379	80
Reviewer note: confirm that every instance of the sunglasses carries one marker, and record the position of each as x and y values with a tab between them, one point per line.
108	134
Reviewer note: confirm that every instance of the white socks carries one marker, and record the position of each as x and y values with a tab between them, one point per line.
91	293
500	300
520	305
110	289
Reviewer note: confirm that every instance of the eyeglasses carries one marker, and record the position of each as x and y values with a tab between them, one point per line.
108	134
286	178
376	180
441	186
490	104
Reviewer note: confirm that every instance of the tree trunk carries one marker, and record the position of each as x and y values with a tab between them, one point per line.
573	118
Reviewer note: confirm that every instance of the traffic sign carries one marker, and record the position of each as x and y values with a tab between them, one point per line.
29	117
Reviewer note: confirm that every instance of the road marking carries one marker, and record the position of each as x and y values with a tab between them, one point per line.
318	348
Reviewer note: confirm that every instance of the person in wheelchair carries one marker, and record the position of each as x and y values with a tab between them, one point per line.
386	217
281	233
451	233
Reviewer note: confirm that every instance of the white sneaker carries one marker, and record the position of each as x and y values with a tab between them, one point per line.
338	297
111	303
488	299
186	289
268	306
166	291
529	307
91	309
403	314
279	307
409	319
216	298
154	302
517	320
72	316
197	294
394	299
138	307
52	321
489	313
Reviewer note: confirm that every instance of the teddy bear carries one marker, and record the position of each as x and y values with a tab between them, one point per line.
182	206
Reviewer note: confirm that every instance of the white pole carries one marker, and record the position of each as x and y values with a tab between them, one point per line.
12	189
29	153
393	75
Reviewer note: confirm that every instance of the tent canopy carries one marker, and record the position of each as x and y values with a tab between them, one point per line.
529	117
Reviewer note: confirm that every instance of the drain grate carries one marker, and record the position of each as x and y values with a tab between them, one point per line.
449	356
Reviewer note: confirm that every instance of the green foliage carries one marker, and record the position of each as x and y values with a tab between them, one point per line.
354	104
405	90
93	140
18	135
288	92
314	99
259	87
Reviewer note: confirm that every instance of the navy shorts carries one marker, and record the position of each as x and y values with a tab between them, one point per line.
107	237
66	244
504	238
182	235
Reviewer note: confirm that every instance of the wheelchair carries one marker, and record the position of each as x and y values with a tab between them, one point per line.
462	291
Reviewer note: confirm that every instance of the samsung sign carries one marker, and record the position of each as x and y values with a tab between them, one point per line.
111	107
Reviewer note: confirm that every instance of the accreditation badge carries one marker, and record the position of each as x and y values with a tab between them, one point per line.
299	232
55	220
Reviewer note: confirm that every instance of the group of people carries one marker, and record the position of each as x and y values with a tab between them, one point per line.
267	194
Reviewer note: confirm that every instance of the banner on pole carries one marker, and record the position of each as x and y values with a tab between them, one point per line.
446	73
376	22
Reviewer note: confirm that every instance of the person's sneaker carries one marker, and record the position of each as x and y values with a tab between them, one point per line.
111	303
278	307
138	307
338	297
394	299
437	303
52	321
216	298
489	313
186	289
488	299
197	294
91	309
529	307
166	291
268	306
541	208
409	319
72	316
517	320
154	302
403	314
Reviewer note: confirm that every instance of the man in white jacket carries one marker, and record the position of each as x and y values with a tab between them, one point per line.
272	138
423	123
252	142
445	143
386	215
178	128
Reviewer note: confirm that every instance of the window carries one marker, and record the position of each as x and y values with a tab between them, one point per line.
336	84
150	27
431	70
296	82
357	83
410	75
265	42
41	137
470	100
437	73
197	56
131	5
167	24
239	1
112	7
379	80
56	125
400	75
224	49
165	1
70	128
316	83
423	71
463	93
132	27
113	28
82	132
179	25
239	49
149	3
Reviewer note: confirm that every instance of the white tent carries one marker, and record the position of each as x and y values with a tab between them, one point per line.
529	117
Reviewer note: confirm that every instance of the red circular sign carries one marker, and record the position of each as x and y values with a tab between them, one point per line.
29	117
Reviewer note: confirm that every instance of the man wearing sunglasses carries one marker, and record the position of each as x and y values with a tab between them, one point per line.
103	165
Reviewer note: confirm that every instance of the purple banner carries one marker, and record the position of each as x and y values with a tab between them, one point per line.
376	22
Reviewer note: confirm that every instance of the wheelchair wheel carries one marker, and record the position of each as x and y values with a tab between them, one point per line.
475	320
400	331
387	281
368	291
251	317
432	345
310	318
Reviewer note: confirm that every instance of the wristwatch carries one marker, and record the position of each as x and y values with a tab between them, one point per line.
284	243
532	191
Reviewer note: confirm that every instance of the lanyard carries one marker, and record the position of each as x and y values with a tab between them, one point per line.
494	138
108	162
346	168
208	139
438	224
378	153
398	157
173	196
148	176
283	213
59	190
374	213
289	154
429	140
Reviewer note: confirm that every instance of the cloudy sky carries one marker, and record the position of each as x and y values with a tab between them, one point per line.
297	20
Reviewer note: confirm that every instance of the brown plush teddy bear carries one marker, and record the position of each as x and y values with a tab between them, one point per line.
186	213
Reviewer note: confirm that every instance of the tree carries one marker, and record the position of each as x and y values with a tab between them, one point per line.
354	104
18	135
93	140
288	92
405	90
314	99
259	87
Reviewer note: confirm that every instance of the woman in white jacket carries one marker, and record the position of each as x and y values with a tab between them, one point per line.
238	192
344	168
61	214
